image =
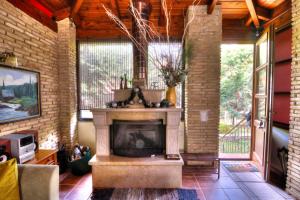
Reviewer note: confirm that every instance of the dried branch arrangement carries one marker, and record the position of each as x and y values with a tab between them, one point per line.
170	67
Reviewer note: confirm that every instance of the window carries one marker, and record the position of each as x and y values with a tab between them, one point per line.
101	64
158	51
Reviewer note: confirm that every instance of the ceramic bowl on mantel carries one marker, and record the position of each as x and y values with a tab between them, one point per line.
149	94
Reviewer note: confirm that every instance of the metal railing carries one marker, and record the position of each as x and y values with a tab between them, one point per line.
237	140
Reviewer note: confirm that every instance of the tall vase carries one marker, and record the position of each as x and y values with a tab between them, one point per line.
171	96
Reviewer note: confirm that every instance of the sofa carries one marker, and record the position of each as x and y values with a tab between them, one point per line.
38	182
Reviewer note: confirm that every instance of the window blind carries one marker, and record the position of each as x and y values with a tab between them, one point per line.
101	64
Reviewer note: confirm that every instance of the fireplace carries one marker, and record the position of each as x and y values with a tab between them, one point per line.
138	138
131	133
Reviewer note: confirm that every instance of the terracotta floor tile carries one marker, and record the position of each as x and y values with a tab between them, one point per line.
71	180
223	182
63	176
263	191
228	183
86	180
214	194
230	186
200	194
236	194
208	182
79	193
189	182
64	190
247	177
281	192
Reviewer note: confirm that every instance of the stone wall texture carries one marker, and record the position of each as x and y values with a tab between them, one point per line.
67	81
202	87
36	49
293	176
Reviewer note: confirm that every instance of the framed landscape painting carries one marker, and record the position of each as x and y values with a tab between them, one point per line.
19	94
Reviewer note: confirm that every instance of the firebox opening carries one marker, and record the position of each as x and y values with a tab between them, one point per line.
138	138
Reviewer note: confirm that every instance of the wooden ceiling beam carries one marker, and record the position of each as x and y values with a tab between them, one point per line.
46	5
234	31
62	14
162	18
77	20
262	14
211	6
248	20
69	12
76	8
116	8
252	12
27	7
287	13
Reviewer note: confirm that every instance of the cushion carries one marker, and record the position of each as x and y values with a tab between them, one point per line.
9	188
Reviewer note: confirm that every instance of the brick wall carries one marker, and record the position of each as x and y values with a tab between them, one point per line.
36	48
293	177
67	81
202	87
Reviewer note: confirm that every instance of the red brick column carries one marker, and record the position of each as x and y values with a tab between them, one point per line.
202	87
67	81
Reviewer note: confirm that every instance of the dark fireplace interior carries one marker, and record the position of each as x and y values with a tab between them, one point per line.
138	138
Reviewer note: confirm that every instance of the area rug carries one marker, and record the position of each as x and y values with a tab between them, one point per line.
144	194
240	167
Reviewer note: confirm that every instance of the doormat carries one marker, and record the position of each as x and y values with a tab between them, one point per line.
240	167
144	194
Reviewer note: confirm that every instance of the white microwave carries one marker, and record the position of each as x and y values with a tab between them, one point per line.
22	146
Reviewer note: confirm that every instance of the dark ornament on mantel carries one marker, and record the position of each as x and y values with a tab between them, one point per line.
164	103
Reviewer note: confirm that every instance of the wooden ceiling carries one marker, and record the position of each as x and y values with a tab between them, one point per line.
92	22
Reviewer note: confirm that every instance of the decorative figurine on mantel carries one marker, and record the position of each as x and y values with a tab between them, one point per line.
121	83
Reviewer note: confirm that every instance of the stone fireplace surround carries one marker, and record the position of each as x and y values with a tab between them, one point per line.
111	171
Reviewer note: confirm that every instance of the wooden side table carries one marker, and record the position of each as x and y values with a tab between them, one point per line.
44	157
211	157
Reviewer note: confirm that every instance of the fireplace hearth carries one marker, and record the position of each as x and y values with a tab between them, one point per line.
137	138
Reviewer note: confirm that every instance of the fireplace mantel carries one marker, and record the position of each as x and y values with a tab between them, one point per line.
111	171
103	118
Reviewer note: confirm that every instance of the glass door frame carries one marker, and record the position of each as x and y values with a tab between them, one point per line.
264	122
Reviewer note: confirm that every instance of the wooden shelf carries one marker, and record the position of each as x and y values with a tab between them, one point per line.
282	92
45	157
283	61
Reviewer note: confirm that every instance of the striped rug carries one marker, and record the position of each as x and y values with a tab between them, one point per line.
144	194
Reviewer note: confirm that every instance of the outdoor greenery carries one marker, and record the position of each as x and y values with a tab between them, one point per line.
236	146
236	81
224	128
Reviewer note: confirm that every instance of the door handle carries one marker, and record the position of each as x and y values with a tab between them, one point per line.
261	124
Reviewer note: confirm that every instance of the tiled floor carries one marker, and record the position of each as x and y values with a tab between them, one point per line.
230	186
